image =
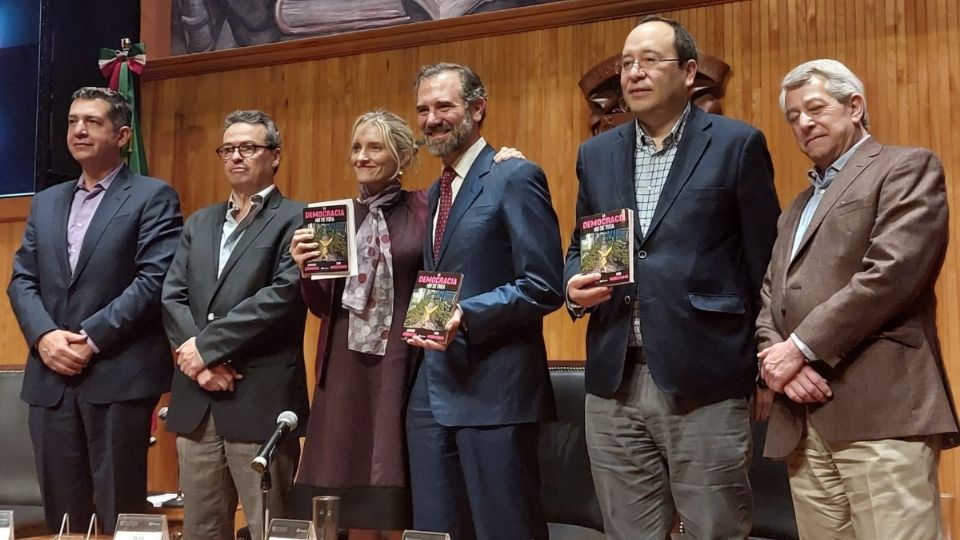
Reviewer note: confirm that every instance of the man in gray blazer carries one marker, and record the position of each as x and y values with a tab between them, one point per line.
847	331
86	292
233	312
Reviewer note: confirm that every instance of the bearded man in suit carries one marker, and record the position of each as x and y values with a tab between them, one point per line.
847	332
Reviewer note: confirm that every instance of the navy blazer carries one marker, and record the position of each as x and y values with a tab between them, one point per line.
251	316
502	235
698	268
113	294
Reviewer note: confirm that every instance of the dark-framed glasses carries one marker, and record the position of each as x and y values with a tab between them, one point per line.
246	150
646	63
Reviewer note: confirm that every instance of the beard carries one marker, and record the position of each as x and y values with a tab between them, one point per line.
458	134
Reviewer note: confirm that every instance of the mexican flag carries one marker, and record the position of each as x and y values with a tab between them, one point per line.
119	67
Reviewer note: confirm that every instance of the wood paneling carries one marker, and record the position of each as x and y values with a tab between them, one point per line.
906	52
11	340
508	21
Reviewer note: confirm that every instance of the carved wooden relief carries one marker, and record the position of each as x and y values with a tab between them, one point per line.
601	88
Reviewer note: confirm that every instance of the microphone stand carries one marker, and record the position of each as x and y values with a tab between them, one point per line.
265	485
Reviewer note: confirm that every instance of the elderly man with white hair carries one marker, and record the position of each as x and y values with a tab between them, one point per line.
847	332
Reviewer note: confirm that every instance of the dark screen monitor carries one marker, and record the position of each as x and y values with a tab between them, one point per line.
20	94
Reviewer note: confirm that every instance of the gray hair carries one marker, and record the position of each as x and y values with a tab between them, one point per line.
120	113
470	84
254	117
840	83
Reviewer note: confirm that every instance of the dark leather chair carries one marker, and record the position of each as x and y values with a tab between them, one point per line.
19	488
773	515
566	487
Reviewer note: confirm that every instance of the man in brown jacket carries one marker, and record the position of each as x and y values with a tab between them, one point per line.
847	332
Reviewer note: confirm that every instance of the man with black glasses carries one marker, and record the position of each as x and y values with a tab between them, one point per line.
233	312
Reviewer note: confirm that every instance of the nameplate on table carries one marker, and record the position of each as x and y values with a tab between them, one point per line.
424	535
291	529
6	524
141	527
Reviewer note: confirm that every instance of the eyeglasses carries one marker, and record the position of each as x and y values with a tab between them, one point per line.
246	150
646	63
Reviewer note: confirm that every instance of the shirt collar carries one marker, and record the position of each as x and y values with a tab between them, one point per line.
103	184
256	200
822	182
462	165
672	138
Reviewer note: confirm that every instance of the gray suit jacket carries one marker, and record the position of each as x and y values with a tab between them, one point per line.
860	294
252	317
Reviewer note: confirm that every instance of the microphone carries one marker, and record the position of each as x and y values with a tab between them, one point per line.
287	421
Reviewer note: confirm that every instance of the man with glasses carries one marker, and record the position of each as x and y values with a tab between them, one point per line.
671	359
85	290
233	313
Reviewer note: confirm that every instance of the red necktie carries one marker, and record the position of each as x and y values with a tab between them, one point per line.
446	201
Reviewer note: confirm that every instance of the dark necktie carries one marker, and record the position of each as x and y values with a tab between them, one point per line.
446	201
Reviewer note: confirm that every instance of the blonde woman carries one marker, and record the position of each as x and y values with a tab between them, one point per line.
355	439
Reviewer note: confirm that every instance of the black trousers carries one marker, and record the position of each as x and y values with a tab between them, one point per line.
91	457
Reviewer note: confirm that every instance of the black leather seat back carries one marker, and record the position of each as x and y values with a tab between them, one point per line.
773	515
19	488
566	487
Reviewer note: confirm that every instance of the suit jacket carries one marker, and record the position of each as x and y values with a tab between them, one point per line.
113	294
502	235
860	294
698	267
252	317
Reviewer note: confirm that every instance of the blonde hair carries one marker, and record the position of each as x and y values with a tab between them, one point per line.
395	132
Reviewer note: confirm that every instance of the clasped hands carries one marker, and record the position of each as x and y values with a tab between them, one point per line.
64	352
214	379
785	370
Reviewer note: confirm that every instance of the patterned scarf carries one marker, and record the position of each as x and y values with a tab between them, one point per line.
368	296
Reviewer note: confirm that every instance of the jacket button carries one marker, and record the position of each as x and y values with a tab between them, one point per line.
626	299
642	254
211	317
783	311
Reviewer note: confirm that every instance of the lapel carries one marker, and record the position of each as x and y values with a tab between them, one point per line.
60	218
784	245
469	190
433	200
858	162
113	199
624	163
216	230
263	218
693	142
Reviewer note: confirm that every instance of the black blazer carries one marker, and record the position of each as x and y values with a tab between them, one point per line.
113	294
252	317
698	268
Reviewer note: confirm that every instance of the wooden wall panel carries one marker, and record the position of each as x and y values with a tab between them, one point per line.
12	345
907	53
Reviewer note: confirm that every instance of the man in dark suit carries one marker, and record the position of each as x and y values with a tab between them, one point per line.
671	359
86	292
848	327
232	309
472	423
